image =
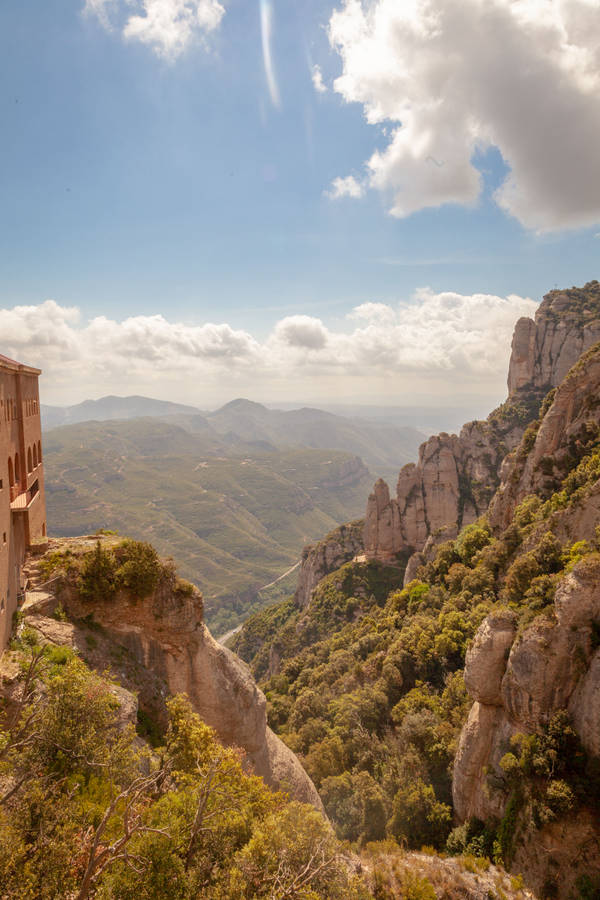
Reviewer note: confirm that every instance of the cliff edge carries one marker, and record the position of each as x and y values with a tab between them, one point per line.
152	635
456	476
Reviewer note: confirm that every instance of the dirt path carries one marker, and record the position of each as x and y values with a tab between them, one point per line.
225	637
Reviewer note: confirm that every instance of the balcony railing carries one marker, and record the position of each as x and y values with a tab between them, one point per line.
23	499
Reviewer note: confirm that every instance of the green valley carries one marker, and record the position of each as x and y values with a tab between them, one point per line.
234	518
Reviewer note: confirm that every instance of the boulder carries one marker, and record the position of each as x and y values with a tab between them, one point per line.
486	659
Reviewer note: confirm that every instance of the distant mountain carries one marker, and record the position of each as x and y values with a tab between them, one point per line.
110	408
384	447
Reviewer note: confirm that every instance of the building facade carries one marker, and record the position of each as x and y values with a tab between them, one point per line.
22	499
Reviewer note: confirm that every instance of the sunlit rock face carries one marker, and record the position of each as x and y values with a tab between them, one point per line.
324	557
455	477
166	649
566	325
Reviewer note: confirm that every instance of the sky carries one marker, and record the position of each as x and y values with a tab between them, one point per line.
292	200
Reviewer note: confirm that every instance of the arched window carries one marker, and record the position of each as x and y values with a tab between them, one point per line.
29	463
11	474
39	451
35	456
17	468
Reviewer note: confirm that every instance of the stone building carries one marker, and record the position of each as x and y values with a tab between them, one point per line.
22	500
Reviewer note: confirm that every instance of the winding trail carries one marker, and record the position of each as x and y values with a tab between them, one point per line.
225	637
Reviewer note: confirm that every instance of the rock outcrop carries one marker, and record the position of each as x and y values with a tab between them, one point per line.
164	647
450	486
518	683
566	324
485	662
568	429
551	666
519	680
324	557
456	476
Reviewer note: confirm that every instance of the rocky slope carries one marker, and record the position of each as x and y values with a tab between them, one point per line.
518	593
520	679
544	350
160	646
456	476
323	557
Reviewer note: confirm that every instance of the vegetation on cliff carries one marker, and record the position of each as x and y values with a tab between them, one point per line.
88	810
368	689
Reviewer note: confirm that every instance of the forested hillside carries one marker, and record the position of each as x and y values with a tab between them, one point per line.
467	693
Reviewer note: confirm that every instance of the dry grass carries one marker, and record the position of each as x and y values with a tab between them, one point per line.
395	874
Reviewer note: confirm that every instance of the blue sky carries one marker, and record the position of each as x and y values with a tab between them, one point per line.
135	184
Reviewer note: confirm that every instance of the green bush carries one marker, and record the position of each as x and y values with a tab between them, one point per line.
97	578
139	568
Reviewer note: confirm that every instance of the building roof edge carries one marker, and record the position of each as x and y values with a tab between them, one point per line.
7	363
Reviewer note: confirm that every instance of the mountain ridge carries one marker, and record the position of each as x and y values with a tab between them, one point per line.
510	748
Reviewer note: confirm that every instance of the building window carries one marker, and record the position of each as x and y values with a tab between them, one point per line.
17	468
43	529
11	477
1	485
3	537
29	461
35	458
39	451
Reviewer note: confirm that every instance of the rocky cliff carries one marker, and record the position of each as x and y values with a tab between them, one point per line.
159	645
456	476
544	349
520	678
519	682
325	556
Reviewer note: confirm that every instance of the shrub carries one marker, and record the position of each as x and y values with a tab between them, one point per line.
559	797
140	569
97	579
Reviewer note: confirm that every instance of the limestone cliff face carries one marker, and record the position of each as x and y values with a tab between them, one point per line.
164	634
518	683
324	557
456	476
569	427
566	324
450	486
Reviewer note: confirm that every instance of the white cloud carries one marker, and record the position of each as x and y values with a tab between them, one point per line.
345	187
317	80
445	343
455	76
167	26
301	331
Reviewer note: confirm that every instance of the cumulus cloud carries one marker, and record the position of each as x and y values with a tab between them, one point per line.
345	187
167	26
301	331
317	80
455	76
463	341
